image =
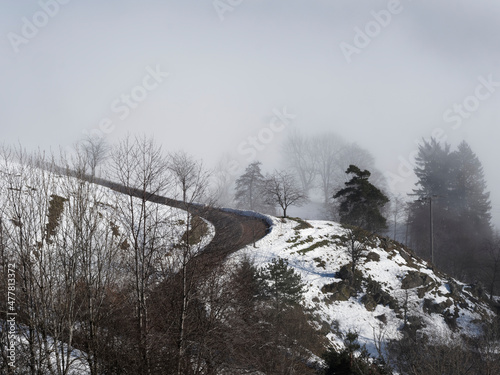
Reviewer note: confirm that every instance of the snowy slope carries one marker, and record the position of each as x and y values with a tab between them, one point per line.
26	189
27	200
445	307
394	281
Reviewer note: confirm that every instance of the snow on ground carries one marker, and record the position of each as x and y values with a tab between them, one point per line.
316	250
26	195
318	254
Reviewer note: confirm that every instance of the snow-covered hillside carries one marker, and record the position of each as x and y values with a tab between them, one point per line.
394	284
47	221
58	233
25	189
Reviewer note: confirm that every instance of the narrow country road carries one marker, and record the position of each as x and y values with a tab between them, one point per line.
232	231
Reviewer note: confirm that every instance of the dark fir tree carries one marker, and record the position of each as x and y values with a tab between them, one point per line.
433	170
249	189
360	202
281	285
470	209
460	208
469	198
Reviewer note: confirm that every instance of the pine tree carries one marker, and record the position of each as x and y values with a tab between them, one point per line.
460	207
433	169
249	189
286	336
434	172
281	285
470	200
361	202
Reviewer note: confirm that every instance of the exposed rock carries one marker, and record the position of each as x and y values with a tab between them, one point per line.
431	307
372	257
378	296
424	289
477	290
405	255
329	288
451	319
382	318
454	288
413	324
415	279
344	292
341	291
345	273
369	302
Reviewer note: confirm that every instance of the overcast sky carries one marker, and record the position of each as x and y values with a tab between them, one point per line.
206	75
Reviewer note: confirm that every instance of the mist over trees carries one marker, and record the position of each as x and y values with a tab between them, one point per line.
454	183
316	163
320	162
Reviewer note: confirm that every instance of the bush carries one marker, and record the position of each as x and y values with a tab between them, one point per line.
353	360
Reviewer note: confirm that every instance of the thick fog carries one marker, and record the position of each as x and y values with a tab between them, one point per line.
234	78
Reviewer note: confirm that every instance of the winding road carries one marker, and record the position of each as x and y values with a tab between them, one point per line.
233	231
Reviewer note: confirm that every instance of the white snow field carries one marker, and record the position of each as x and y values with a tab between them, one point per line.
318	253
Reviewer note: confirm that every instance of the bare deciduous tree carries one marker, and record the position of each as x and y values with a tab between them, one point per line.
191	180
190	177
92	238
321	160
398	212
282	189
222	183
140	167
301	157
328	148
95	150
356	241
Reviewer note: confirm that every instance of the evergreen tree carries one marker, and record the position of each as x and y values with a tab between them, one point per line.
470	208
249	189
433	169
460	207
281	285
361	202
434	172
286	334
469	198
